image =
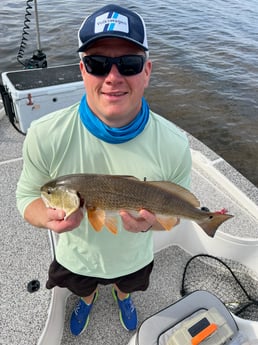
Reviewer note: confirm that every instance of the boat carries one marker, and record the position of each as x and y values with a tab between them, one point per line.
189	265
32	314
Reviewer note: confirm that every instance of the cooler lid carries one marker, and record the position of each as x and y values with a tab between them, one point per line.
44	77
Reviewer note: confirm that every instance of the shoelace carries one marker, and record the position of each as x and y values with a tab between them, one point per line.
77	308
128	307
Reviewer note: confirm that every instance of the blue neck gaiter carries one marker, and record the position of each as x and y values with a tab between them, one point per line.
109	134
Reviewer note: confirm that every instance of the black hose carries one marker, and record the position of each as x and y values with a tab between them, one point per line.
243	306
25	32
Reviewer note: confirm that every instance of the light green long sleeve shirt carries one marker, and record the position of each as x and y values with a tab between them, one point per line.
59	144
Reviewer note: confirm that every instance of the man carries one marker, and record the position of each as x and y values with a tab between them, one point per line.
111	131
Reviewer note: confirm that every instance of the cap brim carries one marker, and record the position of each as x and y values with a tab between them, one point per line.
86	45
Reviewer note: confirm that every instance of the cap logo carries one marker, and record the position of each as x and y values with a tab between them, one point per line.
111	21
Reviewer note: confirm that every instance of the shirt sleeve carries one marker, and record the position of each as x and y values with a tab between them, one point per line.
34	172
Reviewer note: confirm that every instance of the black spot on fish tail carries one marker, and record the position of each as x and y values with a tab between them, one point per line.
213	222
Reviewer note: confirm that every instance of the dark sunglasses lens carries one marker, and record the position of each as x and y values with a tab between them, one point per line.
97	65
101	65
130	64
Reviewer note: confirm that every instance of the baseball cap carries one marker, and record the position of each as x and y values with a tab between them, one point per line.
113	21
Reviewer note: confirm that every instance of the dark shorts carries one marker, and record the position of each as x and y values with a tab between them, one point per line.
84	286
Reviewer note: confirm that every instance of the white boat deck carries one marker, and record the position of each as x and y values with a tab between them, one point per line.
26	252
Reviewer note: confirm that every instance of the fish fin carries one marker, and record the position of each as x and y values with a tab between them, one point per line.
211	225
128	177
167	222
96	218
111	223
177	190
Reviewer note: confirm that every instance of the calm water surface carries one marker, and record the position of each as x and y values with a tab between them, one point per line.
205	56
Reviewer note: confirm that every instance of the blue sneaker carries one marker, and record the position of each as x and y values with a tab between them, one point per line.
127	312
80	316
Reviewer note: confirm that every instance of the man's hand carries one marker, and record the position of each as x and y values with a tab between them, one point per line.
138	223
143	221
57	222
39	215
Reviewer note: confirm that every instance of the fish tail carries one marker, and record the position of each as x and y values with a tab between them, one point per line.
211	224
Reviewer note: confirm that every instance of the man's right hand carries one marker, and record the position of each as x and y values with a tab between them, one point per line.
58	223
37	214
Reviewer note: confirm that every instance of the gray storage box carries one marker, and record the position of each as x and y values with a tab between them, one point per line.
164	327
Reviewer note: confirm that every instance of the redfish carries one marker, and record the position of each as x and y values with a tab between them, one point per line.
104	195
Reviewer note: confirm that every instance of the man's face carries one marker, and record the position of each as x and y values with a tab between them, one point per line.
114	98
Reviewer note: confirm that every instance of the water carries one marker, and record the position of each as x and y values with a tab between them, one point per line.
205	55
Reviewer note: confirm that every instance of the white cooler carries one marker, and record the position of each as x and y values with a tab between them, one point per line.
37	92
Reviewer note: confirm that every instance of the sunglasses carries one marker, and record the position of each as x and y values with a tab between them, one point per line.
127	65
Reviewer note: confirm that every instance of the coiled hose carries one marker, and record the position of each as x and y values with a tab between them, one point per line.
25	32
